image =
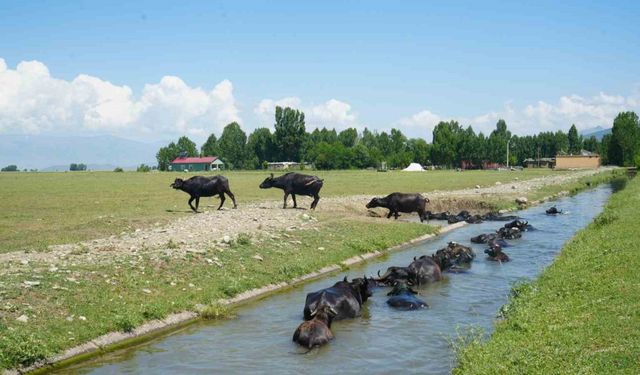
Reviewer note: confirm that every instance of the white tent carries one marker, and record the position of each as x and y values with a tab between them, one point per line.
414	167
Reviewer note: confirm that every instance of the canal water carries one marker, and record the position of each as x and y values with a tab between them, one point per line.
383	340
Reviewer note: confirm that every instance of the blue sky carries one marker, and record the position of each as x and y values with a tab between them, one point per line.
541	65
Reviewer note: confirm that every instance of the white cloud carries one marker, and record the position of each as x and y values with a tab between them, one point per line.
32	101
332	113
584	112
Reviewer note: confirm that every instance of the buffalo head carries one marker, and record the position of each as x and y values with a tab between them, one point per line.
375	202
177	184
267	183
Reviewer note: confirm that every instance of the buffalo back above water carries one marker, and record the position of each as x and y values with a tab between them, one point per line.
344	297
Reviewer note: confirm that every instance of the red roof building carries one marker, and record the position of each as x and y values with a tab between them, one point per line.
207	163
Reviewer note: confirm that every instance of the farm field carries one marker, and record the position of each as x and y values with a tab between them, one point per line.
41	209
581	315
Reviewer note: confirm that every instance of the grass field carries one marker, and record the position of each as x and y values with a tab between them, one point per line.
582	316
41	209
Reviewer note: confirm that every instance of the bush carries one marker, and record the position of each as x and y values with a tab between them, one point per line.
10	168
118	169
143	168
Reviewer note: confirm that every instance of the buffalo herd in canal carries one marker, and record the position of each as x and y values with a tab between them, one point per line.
344	300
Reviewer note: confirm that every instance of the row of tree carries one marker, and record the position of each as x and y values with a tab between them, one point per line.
453	145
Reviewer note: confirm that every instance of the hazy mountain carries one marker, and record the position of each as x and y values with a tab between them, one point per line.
103	152
597	132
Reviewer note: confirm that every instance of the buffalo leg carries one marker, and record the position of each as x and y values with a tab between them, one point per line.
190	205
396	215
286	195
316	198
222	198
295	204
421	214
389	214
233	198
197	203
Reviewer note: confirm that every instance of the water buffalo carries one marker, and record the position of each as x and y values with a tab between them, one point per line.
317	331
424	269
523	225
553	211
509	233
200	186
494	216
395	274
403	298
495	253
344	297
489	237
437	216
295	183
400	202
474	219
461	216
454	255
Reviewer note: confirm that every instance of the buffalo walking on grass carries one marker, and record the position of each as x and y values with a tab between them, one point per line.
400	202
201	186
295	183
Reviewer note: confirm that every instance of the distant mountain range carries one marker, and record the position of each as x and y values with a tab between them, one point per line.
597	132
56	153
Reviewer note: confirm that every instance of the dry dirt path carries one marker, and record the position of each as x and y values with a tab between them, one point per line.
216	229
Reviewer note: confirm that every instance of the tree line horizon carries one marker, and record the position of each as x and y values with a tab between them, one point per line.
452	145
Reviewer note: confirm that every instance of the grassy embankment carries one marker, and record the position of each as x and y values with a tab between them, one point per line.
583	314
41	209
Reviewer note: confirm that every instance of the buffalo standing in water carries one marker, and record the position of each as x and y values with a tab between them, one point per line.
553	211
400	202
200	186
344	297
317	331
295	183
403	298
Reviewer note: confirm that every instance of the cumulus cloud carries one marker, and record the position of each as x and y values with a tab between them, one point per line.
332	113
584	112
32	101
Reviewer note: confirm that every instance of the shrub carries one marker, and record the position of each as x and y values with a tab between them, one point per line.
10	168
143	168
118	169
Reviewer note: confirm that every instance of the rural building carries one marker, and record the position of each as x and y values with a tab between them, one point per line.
540	163
281	165
585	160
207	163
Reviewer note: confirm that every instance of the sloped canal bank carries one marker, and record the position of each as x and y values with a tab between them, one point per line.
382	340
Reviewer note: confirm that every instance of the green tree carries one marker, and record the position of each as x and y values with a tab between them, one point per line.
289	133
575	141
166	155
261	146
10	168
210	147
625	141
498	142
444	149
187	146
232	145
348	137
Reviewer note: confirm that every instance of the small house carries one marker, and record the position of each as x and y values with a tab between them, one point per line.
584	160
540	163
207	163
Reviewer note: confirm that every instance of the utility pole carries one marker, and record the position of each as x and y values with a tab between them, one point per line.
508	141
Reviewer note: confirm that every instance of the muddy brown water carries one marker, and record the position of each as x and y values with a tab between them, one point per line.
382	340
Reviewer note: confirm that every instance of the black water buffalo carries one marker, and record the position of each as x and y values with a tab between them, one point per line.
317	331
393	275
424	269
344	297
495	253
403	298
461	216
553	211
489	237
437	216
400	202
509	233
453	256
474	219
523	225
200	186
494	216
295	183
